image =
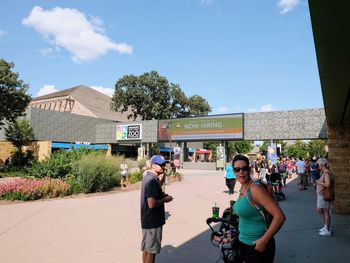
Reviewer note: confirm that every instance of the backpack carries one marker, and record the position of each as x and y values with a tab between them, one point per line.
266	215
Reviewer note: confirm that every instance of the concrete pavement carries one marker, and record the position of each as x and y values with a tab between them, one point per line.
106	228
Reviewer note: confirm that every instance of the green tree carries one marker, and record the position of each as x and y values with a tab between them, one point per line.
317	148
151	96
211	145
263	147
13	97
20	134
240	147
298	149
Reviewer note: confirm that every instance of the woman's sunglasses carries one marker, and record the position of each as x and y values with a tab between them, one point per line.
244	169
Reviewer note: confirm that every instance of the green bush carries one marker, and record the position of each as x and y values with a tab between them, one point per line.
25	159
135	177
58	164
74	184
97	173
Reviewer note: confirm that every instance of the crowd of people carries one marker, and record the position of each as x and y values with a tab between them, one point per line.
256	236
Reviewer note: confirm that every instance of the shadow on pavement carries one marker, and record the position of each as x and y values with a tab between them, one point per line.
298	240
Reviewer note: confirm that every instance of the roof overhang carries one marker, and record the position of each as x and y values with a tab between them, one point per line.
331	30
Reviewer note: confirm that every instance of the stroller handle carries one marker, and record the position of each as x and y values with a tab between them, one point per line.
216	220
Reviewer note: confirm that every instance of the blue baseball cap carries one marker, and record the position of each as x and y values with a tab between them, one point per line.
158	159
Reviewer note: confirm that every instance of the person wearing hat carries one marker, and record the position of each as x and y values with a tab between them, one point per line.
152	209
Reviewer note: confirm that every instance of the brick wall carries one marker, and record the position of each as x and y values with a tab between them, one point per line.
41	149
339	163
6	148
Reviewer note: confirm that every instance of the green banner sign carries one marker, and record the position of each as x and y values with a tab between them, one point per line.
218	127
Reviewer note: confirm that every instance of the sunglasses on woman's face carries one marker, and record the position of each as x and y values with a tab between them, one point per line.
244	169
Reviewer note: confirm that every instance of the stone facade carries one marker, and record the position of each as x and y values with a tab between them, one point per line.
339	163
285	125
63	126
67	127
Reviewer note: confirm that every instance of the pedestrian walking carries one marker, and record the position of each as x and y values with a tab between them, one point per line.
230	179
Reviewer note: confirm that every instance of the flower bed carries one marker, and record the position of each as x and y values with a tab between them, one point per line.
29	189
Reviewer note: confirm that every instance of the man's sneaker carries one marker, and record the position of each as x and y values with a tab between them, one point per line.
325	233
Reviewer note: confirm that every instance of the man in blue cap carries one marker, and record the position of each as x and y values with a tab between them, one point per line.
152	209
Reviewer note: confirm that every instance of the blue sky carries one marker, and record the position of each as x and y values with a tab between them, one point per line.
240	55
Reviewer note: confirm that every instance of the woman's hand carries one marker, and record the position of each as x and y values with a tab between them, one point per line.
260	245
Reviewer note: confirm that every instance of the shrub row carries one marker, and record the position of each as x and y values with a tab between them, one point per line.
68	172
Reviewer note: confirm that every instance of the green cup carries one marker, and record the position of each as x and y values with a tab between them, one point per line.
215	210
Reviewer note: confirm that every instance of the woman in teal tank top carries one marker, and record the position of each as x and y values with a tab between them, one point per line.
256	240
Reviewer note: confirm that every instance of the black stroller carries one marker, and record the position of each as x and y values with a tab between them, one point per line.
226	237
275	180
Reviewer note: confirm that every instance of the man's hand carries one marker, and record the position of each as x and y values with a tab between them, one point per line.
167	199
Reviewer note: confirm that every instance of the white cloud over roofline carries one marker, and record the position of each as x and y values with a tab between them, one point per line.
46	89
107	91
263	108
72	30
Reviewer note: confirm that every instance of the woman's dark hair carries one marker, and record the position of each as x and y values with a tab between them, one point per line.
240	157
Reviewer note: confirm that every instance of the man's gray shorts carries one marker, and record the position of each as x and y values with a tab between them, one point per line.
151	240
302	178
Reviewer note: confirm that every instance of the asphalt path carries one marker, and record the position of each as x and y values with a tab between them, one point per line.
106	227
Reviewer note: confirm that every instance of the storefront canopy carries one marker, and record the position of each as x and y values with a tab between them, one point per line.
64	145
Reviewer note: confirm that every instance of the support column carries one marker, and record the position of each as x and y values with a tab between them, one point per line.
185	152
339	164
149	147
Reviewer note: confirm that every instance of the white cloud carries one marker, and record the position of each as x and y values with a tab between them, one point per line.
2	33
107	91
50	52
267	107
287	5
47	89
263	108
71	29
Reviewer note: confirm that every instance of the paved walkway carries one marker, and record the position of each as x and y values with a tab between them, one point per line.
106	228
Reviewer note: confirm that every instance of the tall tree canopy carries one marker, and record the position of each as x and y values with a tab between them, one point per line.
151	96
317	148
13	97
240	147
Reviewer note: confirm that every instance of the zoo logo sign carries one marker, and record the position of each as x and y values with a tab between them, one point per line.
129	132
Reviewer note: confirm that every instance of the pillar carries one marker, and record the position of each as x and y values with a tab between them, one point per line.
339	164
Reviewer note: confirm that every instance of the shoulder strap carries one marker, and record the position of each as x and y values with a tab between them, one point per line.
260	209
331	178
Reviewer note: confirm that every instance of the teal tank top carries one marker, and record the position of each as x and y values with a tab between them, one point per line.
251	225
